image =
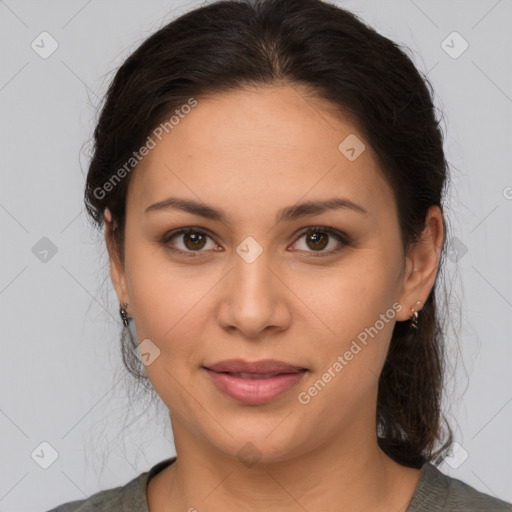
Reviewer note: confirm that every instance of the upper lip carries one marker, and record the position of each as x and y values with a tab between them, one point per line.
262	366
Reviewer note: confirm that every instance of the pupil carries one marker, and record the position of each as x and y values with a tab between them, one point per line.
316	238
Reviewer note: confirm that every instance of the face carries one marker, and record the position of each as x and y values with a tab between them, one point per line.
250	283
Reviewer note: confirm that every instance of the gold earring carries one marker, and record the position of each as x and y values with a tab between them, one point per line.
414	316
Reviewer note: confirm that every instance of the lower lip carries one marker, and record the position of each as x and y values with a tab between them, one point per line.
254	391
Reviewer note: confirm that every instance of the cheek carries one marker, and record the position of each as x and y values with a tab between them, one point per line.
344	383
342	302
159	295
169	305
167	309
354	319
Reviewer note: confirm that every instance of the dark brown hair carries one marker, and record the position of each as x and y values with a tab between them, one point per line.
329	51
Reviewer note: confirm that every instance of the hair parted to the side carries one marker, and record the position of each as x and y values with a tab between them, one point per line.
330	52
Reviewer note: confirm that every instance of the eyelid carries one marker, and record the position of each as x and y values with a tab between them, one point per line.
340	236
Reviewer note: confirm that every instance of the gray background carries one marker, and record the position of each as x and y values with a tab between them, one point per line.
62	378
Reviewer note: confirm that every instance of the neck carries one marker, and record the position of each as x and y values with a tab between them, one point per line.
360	476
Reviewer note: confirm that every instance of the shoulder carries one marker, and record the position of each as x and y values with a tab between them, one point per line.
126	498
439	492
117	498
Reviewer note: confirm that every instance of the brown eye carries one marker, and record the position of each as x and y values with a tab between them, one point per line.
192	241
318	238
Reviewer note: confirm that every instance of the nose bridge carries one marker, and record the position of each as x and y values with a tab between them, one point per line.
251	280
252	301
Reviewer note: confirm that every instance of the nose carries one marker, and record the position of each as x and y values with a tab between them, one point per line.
255	301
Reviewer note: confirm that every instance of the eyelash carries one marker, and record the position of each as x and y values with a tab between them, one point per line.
340	237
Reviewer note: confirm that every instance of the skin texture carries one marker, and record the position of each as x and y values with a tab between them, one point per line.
251	153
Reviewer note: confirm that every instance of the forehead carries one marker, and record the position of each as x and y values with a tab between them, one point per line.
262	147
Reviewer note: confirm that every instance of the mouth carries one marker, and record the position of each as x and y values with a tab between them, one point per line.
261	367
256	385
255	375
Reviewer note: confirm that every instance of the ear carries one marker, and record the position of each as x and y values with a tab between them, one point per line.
422	265
117	273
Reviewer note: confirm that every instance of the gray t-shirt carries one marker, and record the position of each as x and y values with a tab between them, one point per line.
435	492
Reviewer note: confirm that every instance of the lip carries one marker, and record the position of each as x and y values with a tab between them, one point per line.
256	382
261	366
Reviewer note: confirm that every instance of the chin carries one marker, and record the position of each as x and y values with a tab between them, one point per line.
263	446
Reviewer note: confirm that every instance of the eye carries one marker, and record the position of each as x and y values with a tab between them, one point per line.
193	240
317	238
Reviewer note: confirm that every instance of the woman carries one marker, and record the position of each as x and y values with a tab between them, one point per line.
271	177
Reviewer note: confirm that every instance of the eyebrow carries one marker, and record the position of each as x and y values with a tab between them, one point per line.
289	213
